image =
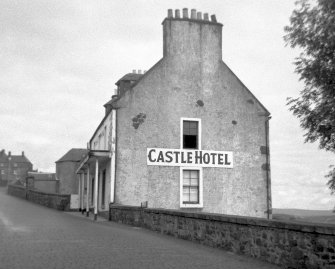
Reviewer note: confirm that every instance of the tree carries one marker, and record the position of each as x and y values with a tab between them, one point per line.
312	29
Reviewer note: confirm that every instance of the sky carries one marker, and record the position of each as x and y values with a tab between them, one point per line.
59	61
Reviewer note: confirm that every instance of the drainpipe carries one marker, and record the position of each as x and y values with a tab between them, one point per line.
268	176
113	157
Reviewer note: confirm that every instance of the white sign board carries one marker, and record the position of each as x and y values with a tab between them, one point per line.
181	157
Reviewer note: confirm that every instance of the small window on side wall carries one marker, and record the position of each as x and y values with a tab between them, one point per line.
190	136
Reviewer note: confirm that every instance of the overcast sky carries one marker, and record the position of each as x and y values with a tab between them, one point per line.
59	61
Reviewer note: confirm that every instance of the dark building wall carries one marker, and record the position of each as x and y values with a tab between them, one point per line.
68	179
13	171
192	81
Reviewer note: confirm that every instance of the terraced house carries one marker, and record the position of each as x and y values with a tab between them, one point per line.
187	134
14	168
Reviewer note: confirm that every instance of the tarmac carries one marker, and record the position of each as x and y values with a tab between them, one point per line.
33	236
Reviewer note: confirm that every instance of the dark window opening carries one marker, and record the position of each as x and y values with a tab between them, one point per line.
103	190
92	197
190	135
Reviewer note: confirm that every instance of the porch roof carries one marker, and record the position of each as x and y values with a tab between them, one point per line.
92	155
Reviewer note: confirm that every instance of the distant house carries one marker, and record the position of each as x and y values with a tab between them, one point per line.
14	168
45	182
66	170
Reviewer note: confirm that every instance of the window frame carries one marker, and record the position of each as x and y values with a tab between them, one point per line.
191	205
182	133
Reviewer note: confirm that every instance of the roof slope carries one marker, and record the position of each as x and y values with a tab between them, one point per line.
19	159
73	155
3	156
129	77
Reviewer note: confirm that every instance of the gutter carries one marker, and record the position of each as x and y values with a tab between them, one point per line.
113	157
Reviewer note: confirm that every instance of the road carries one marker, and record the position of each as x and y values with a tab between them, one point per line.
32	236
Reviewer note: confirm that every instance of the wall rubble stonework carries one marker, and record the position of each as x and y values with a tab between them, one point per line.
288	244
52	200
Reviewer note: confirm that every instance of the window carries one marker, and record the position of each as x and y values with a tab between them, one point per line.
15	164
2	172
190	187
105	138
190	138
103	188
92	196
15	172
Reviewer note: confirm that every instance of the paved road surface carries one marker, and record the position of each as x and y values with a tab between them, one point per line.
32	236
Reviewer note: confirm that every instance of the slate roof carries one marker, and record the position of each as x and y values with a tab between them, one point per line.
14	158
3	157
73	155
19	159
130	77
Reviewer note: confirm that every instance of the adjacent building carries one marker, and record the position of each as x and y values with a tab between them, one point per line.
66	168
186	135
41	181
14	168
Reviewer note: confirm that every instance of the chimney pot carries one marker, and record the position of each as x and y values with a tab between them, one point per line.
206	17
177	13
213	18
9	153
193	14
199	15
185	13
170	13
134	71
139	71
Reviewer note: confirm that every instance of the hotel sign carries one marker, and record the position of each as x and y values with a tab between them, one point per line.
181	157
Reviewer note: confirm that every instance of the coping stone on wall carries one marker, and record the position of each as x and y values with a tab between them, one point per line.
249	221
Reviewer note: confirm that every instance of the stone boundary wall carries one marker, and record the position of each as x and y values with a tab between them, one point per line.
18	191
52	200
3	183
288	244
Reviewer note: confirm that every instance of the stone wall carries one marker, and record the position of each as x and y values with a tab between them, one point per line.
52	200
3	183
288	244
18	191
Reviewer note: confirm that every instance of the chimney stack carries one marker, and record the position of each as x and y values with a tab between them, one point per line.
134	71
185	13
177	14
170	13
193	37
9	153
193	14
22	153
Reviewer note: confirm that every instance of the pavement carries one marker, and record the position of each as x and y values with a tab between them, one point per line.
33	236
